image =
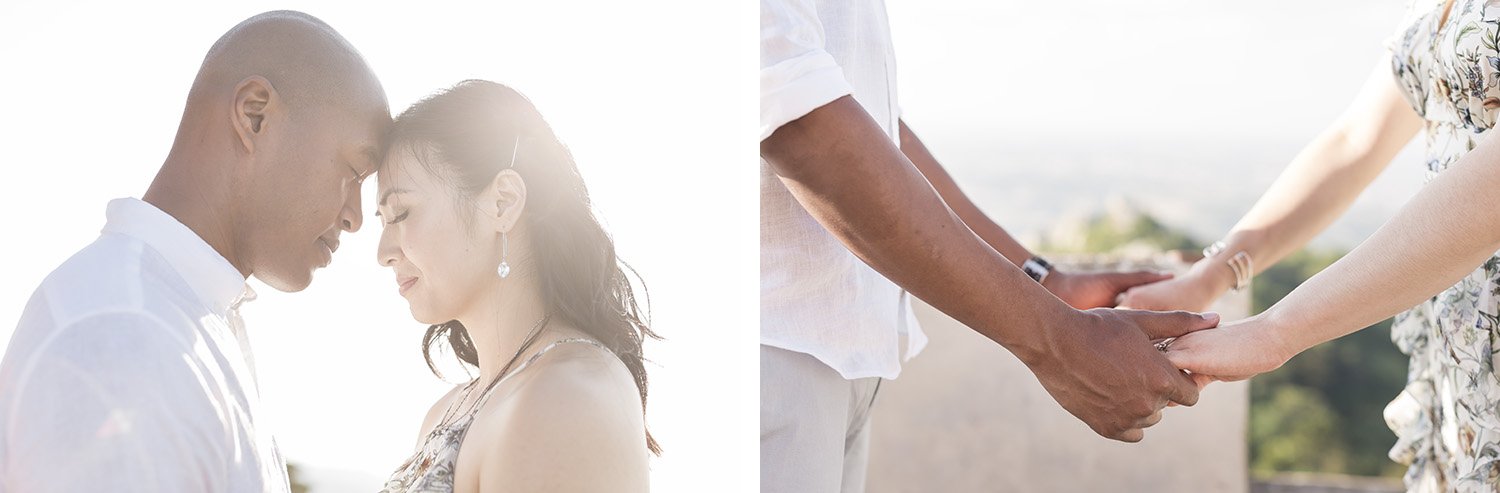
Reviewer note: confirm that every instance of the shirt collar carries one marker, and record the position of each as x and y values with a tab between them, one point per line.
209	274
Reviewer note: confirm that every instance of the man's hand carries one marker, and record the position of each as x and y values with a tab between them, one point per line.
1100	365
1097	289
1105	370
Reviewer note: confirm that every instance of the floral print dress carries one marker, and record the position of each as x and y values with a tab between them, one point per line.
1447	420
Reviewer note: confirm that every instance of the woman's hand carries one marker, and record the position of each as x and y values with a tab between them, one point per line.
1097	289
1194	291
1234	351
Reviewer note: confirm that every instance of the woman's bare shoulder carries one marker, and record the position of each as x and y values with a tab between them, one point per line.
574	423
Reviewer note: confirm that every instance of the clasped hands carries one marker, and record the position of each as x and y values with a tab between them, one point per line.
1103	364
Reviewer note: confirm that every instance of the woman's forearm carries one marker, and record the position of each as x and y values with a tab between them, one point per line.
1327	176
1445	232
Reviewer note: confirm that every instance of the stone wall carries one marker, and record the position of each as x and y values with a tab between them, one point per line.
1319	483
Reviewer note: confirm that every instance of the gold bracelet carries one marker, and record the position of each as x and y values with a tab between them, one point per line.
1239	263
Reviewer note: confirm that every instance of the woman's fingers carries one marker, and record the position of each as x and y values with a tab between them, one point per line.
1185	355
1128	280
1139	298
1199	355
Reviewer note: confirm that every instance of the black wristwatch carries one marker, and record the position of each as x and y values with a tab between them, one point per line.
1037	268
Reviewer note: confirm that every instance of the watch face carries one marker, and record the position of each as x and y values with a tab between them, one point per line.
1035	269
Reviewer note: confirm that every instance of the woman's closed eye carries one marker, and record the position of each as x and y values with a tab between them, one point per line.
398	218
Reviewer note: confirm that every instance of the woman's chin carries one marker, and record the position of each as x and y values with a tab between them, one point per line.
423	316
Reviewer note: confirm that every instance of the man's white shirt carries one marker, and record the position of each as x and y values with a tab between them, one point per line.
817	297
130	371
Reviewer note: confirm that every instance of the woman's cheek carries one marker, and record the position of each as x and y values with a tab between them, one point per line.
430	250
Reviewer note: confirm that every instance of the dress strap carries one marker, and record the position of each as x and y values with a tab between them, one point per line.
532	359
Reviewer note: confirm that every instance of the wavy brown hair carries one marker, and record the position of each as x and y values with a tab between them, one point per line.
466	135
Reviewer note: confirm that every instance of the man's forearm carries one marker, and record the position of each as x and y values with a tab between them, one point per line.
981	224
848	174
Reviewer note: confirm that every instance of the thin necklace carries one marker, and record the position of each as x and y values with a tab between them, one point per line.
536	329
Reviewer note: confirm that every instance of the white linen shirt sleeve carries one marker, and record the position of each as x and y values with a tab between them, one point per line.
107	405
797	75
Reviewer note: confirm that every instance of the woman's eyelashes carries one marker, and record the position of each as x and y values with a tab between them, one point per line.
398	218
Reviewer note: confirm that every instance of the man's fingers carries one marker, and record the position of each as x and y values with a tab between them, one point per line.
1151	420
1184	389
1132	435
1162	325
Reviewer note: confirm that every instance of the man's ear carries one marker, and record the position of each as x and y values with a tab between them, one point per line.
507	196
253	98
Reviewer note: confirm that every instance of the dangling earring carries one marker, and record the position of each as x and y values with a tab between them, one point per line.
504	269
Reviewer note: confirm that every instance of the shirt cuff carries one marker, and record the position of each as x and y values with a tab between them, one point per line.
793	88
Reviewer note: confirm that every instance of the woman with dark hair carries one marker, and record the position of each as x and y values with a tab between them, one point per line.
490	232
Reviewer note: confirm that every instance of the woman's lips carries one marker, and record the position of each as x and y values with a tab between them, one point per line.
405	283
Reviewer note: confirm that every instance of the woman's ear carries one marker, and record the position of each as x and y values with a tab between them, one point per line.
508	199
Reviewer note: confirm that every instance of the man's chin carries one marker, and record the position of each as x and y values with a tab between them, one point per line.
287	283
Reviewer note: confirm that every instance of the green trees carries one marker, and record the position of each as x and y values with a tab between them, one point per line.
295	478
1346	383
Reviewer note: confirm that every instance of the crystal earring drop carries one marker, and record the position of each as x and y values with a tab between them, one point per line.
504	269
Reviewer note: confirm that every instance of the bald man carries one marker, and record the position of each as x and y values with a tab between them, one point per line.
129	369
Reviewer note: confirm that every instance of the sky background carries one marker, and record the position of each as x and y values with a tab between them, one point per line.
94	91
1187	109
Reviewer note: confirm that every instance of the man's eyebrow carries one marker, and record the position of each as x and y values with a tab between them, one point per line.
390	192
